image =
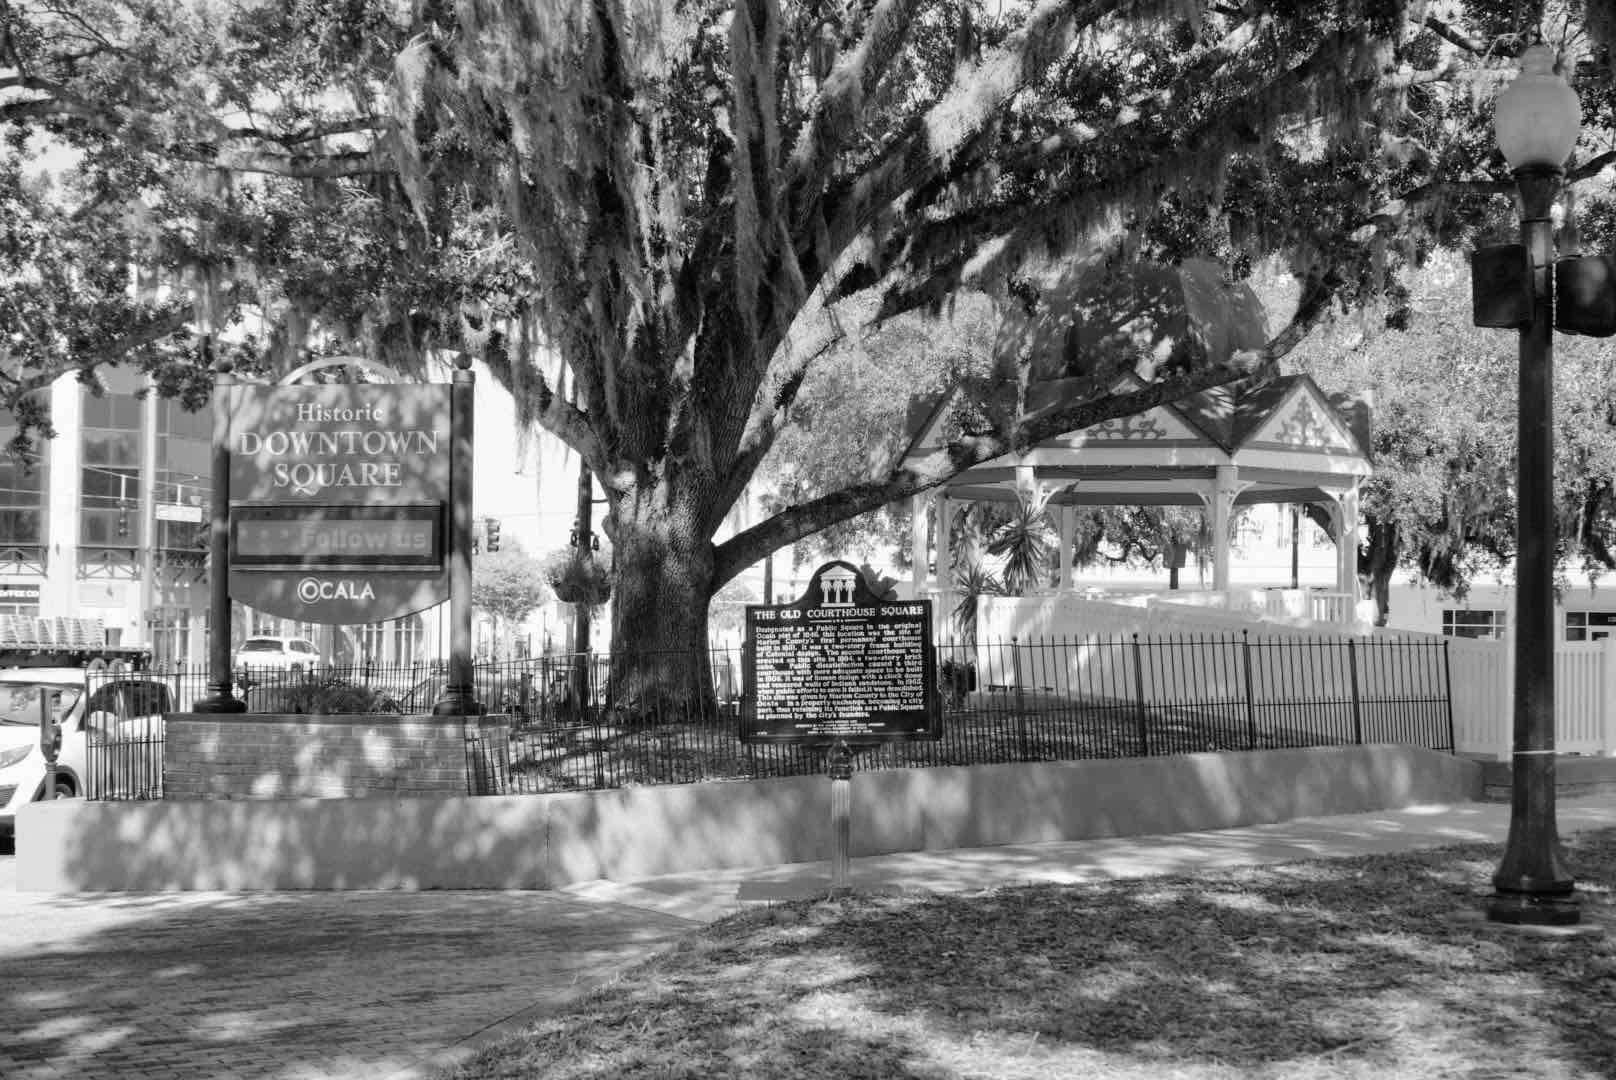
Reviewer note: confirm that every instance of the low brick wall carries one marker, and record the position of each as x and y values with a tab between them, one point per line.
289	756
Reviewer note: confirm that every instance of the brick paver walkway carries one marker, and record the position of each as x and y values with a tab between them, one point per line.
290	986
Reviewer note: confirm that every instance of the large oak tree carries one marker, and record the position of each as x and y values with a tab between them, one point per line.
670	195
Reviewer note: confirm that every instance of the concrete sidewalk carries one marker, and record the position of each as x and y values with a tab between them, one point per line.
395	985
713	894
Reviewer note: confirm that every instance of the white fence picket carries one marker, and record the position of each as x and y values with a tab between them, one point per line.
1482	670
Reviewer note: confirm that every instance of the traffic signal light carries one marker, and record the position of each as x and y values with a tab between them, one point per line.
491	534
123	520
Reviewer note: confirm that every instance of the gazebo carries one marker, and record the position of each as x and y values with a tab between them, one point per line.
1282	441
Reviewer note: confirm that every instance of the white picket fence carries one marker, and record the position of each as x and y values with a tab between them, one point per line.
1481	670
1484	694
1064	615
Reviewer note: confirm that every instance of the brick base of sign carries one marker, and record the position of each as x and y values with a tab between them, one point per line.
287	756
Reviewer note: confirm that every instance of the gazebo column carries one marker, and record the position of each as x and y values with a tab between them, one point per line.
945	550
919	547
1068	529
1224	490
1344	518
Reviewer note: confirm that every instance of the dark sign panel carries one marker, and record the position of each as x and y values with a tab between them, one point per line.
337	537
840	664
344	442
345	486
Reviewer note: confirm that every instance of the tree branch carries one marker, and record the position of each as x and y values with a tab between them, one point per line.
771	411
795	522
1454	36
929	147
836	113
570	424
980	241
790	525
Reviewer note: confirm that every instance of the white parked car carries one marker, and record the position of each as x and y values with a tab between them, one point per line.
277	654
126	711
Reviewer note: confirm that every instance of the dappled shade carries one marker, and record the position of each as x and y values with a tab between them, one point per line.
1104	319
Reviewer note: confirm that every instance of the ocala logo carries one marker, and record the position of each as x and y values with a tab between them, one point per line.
311	590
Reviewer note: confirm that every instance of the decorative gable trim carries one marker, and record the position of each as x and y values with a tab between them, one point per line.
1304	423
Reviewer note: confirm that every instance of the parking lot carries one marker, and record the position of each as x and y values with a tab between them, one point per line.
291	986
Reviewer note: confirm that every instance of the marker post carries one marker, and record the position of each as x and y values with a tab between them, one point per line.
840	769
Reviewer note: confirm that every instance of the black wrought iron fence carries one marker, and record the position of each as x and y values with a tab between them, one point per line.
1049	700
554	724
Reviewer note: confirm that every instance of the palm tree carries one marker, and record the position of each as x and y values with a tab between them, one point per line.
1026	540
958	668
971	582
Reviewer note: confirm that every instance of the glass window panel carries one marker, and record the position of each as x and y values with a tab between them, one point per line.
22	495
103	447
181	535
1473	623
174	420
192	457
97	411
99	528
21	526
126	410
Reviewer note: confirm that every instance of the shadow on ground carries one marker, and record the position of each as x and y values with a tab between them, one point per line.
1325	969
289	984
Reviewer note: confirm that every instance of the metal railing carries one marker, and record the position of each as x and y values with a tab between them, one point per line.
553	724
1051	700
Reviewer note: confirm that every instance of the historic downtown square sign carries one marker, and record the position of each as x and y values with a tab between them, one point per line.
339	499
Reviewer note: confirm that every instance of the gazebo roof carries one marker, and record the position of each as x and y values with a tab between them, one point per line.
1288	441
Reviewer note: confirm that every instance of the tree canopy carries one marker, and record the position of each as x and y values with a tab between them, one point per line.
1441	502
637	211
508	584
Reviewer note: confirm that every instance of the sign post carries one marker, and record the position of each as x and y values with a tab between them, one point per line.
840	670
221	698
50	740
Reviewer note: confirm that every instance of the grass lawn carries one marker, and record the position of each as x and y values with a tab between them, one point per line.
1328	969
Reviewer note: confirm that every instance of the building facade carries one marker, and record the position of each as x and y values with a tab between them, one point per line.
108	525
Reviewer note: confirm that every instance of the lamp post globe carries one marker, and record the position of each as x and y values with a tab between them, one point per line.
1537	118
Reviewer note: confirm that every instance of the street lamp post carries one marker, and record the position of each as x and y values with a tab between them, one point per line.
1537	119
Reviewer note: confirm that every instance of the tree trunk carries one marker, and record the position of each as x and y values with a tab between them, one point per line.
662	582
1377	561
582	533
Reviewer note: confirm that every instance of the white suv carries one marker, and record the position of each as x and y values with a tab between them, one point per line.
277	653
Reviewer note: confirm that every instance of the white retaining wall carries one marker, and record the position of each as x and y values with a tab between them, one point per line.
546	841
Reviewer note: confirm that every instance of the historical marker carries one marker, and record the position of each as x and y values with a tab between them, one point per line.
840	664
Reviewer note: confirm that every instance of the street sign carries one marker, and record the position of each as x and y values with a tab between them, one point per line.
179	512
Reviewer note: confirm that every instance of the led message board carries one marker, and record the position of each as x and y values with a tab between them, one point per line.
337	537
